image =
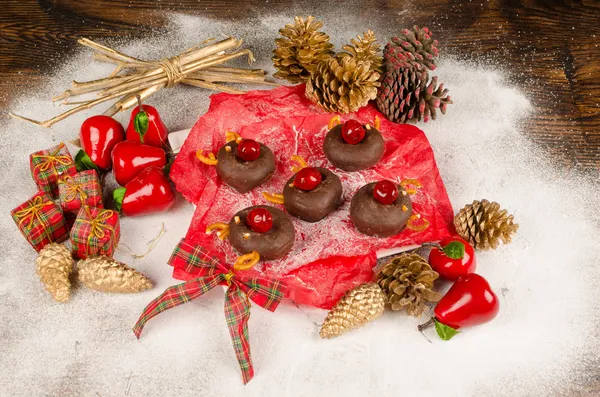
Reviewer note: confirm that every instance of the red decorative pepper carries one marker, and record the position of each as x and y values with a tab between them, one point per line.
469	302
353	132
307	178
385	192
98	136
248	150
129	158
259	220
146	126
147	193
455	259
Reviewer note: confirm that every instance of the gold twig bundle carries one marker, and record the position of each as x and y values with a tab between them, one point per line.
198	66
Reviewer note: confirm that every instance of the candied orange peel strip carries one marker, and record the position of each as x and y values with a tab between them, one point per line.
209	160
411	185
274	198
221	228
301	163
232	136
377	123
246	261
417	223
335	120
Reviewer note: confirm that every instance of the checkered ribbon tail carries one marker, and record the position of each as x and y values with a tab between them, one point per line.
262	291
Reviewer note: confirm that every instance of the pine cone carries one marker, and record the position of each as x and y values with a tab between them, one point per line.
356	308
484	224
54	265
301	49
107	275
405	96
408	282
365	49
342	85
413	48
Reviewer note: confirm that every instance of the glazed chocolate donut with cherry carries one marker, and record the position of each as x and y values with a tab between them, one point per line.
312	194
352	146
380	209
245	164
264	229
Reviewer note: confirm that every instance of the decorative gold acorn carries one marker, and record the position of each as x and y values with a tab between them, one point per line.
54	265
107	275
356	308
484	224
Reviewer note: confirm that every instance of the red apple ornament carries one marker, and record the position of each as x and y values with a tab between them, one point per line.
98	136
129	158
259	220
248	150
353	132
307	178
146	126
455	259
469	302
147	193
385	192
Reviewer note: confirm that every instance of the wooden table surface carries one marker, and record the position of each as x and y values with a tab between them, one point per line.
551	48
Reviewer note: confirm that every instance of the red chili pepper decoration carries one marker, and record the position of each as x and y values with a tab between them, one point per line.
147	193
98	136
385	192
455	259
469	302
307	178
129	158
146	126
353	132
248	150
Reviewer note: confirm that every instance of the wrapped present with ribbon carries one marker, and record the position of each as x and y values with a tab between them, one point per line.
242	286
41	221
48	166
81	189
96	231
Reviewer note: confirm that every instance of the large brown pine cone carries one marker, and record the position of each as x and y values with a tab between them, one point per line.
412	48
484	224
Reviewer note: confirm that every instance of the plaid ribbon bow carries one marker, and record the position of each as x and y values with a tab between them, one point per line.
262	291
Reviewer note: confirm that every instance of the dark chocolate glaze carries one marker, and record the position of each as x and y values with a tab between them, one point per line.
242	175
316	204
375	219
273	244
357	157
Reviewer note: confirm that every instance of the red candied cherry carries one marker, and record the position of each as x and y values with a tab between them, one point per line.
248	149
307	178
259	220
353	132
385	192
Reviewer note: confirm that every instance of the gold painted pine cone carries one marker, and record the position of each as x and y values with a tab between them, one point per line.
54	264
484	224
342	85
365	49
300	49
356	308
408	283
107	275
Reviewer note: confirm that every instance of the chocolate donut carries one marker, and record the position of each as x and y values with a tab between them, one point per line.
242	175
316	204
356	157
375	219
273	244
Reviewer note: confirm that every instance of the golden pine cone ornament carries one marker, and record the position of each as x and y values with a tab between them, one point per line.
365	49
356	308
301	49
408	283
54	265
342	85
484	224
107	275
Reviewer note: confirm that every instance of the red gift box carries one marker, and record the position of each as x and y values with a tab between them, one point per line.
47	166
40	221
81	189
96	231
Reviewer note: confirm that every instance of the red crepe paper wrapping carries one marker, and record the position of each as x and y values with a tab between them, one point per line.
80	189
40	221
47	166
96	231
329	257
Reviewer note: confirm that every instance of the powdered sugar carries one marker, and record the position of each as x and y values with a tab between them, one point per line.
542	343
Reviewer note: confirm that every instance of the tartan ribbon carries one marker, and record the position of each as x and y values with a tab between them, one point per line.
74	189
241	289
98	227
50	160
32	212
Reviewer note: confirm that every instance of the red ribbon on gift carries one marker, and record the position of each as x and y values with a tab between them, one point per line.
264	292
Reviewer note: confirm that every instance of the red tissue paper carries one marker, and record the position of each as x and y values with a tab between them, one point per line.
329	257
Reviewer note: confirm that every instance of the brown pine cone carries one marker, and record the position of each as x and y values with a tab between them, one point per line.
413	48
484	224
